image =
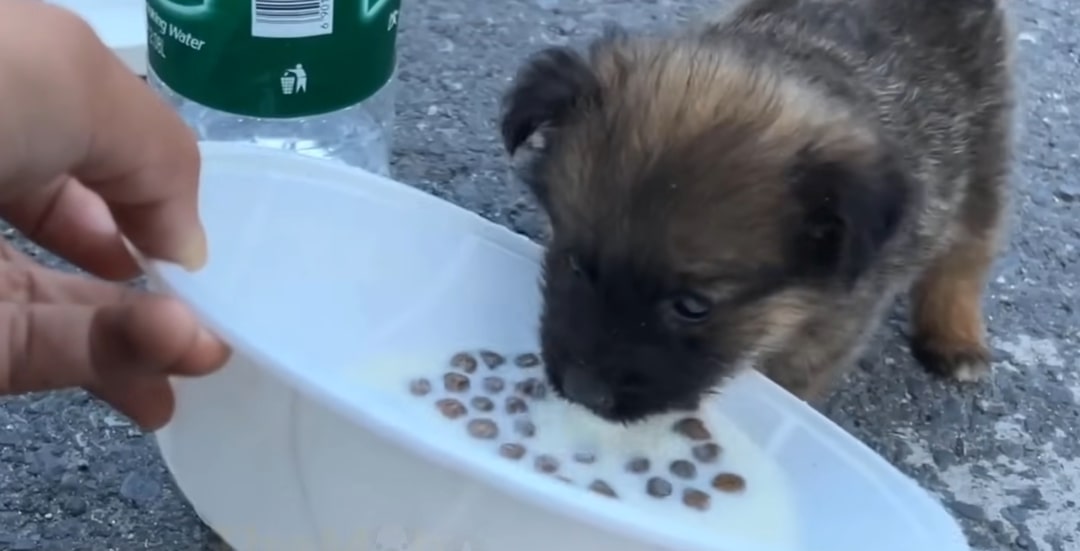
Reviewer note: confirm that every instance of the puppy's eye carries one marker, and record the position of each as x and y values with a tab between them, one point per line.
574	265
580	269
691	307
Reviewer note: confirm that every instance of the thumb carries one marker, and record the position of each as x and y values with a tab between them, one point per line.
153	334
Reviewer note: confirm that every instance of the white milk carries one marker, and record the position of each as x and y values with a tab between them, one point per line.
762	512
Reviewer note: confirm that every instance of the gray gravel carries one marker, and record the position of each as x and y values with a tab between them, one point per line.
1005	457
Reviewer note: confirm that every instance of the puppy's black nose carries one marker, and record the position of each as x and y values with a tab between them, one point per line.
586	390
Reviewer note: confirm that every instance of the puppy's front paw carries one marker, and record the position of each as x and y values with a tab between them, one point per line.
960	361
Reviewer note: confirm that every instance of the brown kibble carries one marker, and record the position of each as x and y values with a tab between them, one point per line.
601	487
638	465
456	382
516	405
565	479
524	427
692	428
420	387
706	453
695	499
729	483
492	359
464	361
585	457
683	469
484	429
451	408
658	487
546	464
527	360
512	451
493	384
481	403
533	388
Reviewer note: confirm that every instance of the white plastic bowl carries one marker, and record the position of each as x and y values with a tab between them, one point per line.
318	272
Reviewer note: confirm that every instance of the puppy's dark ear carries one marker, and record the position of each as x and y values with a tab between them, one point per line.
547	88
849	210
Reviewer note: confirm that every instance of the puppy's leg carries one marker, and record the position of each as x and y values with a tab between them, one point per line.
949	334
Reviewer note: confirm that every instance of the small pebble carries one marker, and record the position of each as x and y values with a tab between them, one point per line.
585	457
706	453
546	464
451	408
527	360
601	487
683	469
492	359
730	483
512	451
493	384
456	382
485	429
692	428
481	403
533	388
516	405
658	487
1024	542
464	361
73	506
525	428
140	488
638	465
695	499
420	387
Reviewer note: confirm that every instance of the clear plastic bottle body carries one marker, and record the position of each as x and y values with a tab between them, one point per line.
360	135
315	77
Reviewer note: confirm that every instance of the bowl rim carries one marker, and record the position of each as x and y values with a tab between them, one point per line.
572	503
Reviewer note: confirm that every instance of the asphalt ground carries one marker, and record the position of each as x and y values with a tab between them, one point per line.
1004	456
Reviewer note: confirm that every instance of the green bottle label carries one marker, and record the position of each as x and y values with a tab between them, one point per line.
273	58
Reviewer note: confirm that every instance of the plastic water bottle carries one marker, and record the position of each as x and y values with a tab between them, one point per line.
311	76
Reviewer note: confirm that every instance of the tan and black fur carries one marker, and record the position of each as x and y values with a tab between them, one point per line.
757	190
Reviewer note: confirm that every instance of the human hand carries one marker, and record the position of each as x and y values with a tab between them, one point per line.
90	154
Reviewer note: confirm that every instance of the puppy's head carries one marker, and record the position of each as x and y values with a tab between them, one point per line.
702	206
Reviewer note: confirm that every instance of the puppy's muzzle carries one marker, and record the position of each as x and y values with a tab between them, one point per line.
582	388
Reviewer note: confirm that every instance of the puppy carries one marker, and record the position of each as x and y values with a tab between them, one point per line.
758	189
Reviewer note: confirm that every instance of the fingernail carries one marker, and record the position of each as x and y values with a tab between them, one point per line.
207	341
193	255
206	338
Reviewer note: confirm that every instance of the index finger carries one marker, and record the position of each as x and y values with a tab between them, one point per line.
144	162
83	113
